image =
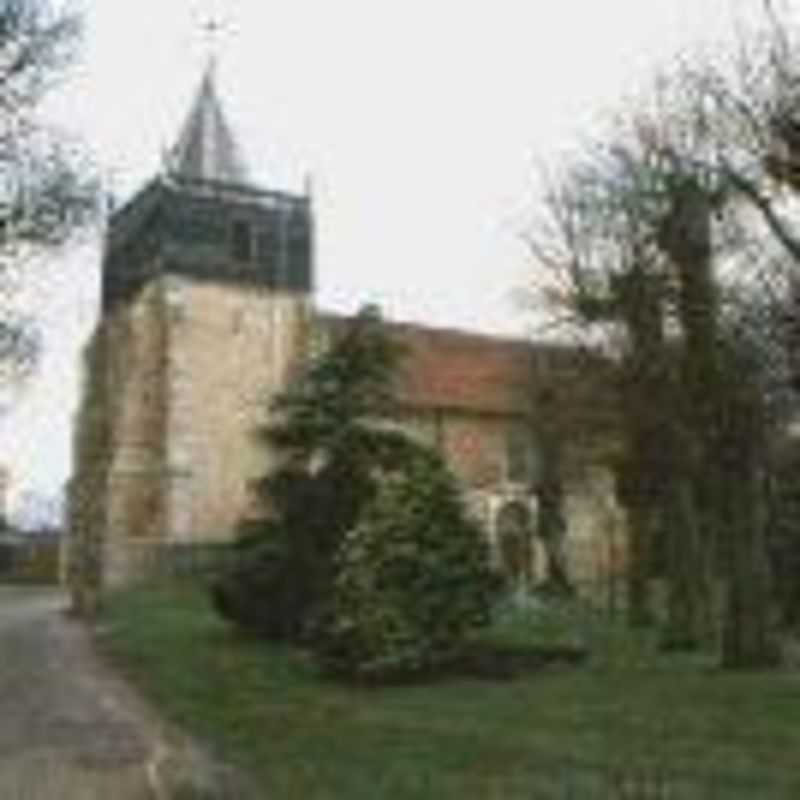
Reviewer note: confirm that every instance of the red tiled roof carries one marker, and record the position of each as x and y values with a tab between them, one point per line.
453	369
459	370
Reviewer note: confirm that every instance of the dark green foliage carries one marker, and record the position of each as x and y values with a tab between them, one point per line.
330	453
412	580
259	591
366	552
329	435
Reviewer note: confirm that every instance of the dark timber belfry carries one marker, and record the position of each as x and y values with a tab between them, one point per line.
204	219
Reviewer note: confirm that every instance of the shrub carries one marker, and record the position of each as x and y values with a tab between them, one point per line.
322	427
260	590
369	550
282	566
412	580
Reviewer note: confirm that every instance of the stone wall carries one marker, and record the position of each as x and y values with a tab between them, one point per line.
115	495
177	381
86	496
596	546
135	340
476	446
230	350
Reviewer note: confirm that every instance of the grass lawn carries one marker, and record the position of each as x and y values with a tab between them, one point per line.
558	733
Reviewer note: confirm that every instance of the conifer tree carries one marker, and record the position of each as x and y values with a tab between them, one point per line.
331	435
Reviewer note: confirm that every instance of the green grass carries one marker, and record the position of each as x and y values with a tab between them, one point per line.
555	734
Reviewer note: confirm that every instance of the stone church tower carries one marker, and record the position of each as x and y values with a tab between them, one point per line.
206	296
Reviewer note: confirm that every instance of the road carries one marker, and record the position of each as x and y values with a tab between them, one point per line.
69	728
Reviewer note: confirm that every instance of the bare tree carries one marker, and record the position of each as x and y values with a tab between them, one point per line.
603	271
46	186
642	226
751	106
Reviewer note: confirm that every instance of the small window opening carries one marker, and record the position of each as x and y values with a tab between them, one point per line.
517	456
242	241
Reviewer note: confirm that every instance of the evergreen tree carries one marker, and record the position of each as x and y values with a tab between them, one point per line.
365	542
332	435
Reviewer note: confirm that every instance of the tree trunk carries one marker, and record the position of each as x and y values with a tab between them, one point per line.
686	237
643	523
645	387
688	590
748	638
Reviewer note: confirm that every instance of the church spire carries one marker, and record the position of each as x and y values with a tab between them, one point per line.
206	149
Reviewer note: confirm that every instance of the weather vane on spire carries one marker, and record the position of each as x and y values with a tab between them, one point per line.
212	28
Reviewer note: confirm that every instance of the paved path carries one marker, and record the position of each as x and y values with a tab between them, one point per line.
69	730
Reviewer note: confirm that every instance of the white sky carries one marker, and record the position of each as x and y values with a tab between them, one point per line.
419	120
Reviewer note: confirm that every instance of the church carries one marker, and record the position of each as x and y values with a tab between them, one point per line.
207	307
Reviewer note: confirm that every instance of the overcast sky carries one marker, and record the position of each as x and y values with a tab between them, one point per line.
419	122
